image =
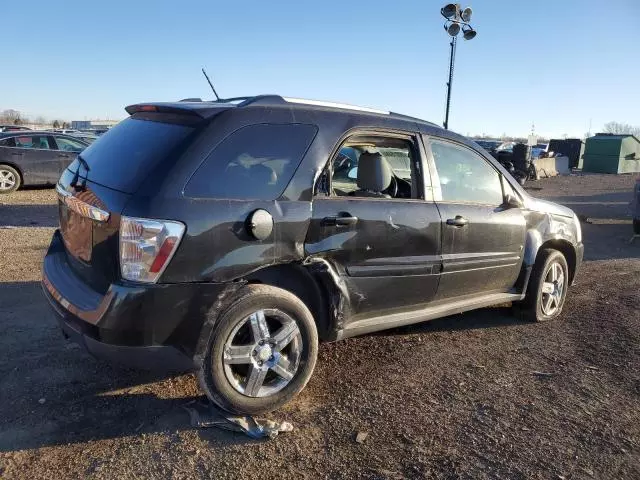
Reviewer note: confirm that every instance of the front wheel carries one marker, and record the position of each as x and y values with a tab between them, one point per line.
547	287
261	353
9	179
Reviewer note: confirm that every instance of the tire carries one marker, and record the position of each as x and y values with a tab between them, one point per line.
10	179
531	308
227	384
636	226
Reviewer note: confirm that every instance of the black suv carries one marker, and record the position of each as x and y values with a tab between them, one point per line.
228	237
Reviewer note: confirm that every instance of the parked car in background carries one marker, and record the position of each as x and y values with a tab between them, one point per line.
67	131
86	137
227	239
505	147
35	158
538	149
488	145
13	128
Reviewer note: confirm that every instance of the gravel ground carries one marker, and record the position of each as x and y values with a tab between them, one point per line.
457	397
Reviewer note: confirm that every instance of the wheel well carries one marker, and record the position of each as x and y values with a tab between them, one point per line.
567	250
17	169
297	280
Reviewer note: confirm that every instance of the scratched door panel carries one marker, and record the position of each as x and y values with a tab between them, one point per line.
389	258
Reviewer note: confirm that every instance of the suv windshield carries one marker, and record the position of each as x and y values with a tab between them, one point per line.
124	156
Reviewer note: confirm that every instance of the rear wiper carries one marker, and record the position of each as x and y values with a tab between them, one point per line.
83	162
76	176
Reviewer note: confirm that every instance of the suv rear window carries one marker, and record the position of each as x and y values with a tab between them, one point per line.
123	157
254	162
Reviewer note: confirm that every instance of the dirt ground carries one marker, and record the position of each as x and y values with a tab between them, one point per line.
478	395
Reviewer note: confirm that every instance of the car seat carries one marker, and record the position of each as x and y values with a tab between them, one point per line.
374	176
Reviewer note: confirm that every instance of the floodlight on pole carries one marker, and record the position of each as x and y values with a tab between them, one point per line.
453	29
468	33
457	19
451	10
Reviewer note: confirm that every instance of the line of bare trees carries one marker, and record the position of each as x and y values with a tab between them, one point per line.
14	117
621	129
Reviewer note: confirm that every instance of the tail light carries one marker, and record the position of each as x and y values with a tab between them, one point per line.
146	247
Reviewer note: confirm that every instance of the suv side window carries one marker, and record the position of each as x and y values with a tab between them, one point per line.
465	177
368	166
254	162
8	142
32	141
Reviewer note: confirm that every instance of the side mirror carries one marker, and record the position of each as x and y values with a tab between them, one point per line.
511	201
353	173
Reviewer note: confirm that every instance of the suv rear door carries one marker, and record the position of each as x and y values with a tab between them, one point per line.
386	249
482	239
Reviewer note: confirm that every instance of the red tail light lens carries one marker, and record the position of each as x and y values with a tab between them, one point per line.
146	247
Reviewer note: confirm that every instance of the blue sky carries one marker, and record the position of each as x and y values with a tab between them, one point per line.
559	64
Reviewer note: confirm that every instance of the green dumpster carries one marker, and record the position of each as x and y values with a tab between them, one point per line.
609	153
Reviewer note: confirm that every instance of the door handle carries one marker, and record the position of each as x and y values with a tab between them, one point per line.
459	221
342	220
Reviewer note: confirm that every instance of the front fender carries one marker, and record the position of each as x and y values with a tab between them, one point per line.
547	227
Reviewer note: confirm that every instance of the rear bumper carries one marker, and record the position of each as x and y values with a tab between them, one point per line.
154	327
152	357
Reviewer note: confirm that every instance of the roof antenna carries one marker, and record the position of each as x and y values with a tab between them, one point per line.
211	85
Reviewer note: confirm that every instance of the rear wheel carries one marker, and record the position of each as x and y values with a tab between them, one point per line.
547	287
9	179
261	353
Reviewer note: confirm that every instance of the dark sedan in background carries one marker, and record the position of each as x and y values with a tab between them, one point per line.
35	158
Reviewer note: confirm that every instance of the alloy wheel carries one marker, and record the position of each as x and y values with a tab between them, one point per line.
7	180
552	289
262	353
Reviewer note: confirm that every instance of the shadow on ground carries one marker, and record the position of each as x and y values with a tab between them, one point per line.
54	393
29	215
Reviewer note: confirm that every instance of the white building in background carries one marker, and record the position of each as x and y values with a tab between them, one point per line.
93	124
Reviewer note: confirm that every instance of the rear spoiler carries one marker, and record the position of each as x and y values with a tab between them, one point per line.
203	110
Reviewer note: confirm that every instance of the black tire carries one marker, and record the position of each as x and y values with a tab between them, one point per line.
531	307
212	375
13	174
636	226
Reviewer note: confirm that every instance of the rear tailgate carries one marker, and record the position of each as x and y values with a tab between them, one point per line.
94	190
89	225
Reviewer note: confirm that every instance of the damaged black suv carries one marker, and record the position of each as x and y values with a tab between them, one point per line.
227	238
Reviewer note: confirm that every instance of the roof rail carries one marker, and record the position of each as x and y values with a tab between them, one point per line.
344	106
279	100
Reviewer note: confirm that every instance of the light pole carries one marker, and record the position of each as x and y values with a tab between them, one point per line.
456	20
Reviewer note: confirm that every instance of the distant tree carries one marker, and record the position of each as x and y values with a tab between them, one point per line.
10	116
56	124
621	129
40	120
65	125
